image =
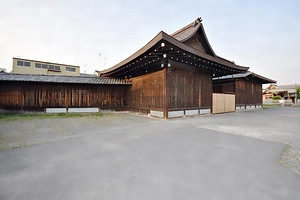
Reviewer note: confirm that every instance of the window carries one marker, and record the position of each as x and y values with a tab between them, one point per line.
27	64
44	66
70	69
51	67
23	63
38	65
54	67
20	63
57	68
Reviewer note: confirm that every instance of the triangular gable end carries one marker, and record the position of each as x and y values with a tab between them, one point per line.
193	35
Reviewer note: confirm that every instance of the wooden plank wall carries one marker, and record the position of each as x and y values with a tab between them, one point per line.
248	92
23	95
226	88
147	92
195	43
258	95
188	89
240	94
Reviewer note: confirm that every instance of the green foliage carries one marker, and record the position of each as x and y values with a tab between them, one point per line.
276	98
298	93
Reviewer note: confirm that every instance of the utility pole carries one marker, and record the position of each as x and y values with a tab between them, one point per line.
100	61
105	63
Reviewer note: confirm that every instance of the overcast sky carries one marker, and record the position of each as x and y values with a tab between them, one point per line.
264	35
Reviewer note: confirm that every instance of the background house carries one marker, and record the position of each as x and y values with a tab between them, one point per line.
287	92
25	66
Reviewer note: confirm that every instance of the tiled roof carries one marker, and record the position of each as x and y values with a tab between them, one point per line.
290	86
62	79
243	75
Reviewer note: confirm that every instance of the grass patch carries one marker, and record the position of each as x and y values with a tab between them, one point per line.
30	116
266	106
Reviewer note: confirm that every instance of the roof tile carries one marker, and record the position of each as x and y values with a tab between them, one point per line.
62	79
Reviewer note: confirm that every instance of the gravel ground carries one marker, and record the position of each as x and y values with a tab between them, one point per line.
272	124
129	156
23	133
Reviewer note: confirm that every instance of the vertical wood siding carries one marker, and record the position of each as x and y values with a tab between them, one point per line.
240	95
195	43
188	89
16	95
147	92
248	92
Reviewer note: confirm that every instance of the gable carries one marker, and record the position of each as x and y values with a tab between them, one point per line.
193	35
196	43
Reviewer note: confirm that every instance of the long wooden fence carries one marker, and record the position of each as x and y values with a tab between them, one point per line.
38	96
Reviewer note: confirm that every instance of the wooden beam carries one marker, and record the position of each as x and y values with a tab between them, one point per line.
165	98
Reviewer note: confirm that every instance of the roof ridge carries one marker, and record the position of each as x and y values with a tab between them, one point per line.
194	23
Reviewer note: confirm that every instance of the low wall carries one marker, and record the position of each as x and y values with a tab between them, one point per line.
284	103
181	113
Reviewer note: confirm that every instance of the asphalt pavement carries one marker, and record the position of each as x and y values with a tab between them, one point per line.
153	159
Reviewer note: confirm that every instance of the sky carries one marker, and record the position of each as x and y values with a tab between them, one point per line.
96	34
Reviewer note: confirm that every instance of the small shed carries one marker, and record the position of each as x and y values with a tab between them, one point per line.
247	88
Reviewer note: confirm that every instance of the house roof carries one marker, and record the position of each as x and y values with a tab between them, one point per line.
190	30
175	47
62	79
291	88
244	75
186	32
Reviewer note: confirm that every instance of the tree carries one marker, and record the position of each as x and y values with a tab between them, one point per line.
298	93
276	98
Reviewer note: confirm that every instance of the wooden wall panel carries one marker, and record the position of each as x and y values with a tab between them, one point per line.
195	43
240	95
225	88
223	103
16	95
147	92
188	89
248	92
258	93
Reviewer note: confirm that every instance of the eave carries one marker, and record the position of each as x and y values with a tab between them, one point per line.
152	54
248	74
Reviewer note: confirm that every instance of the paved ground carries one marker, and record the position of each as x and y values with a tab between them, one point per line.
128	156
274	124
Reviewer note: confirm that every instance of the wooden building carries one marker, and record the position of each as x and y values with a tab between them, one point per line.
37	92
171	75
247	88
